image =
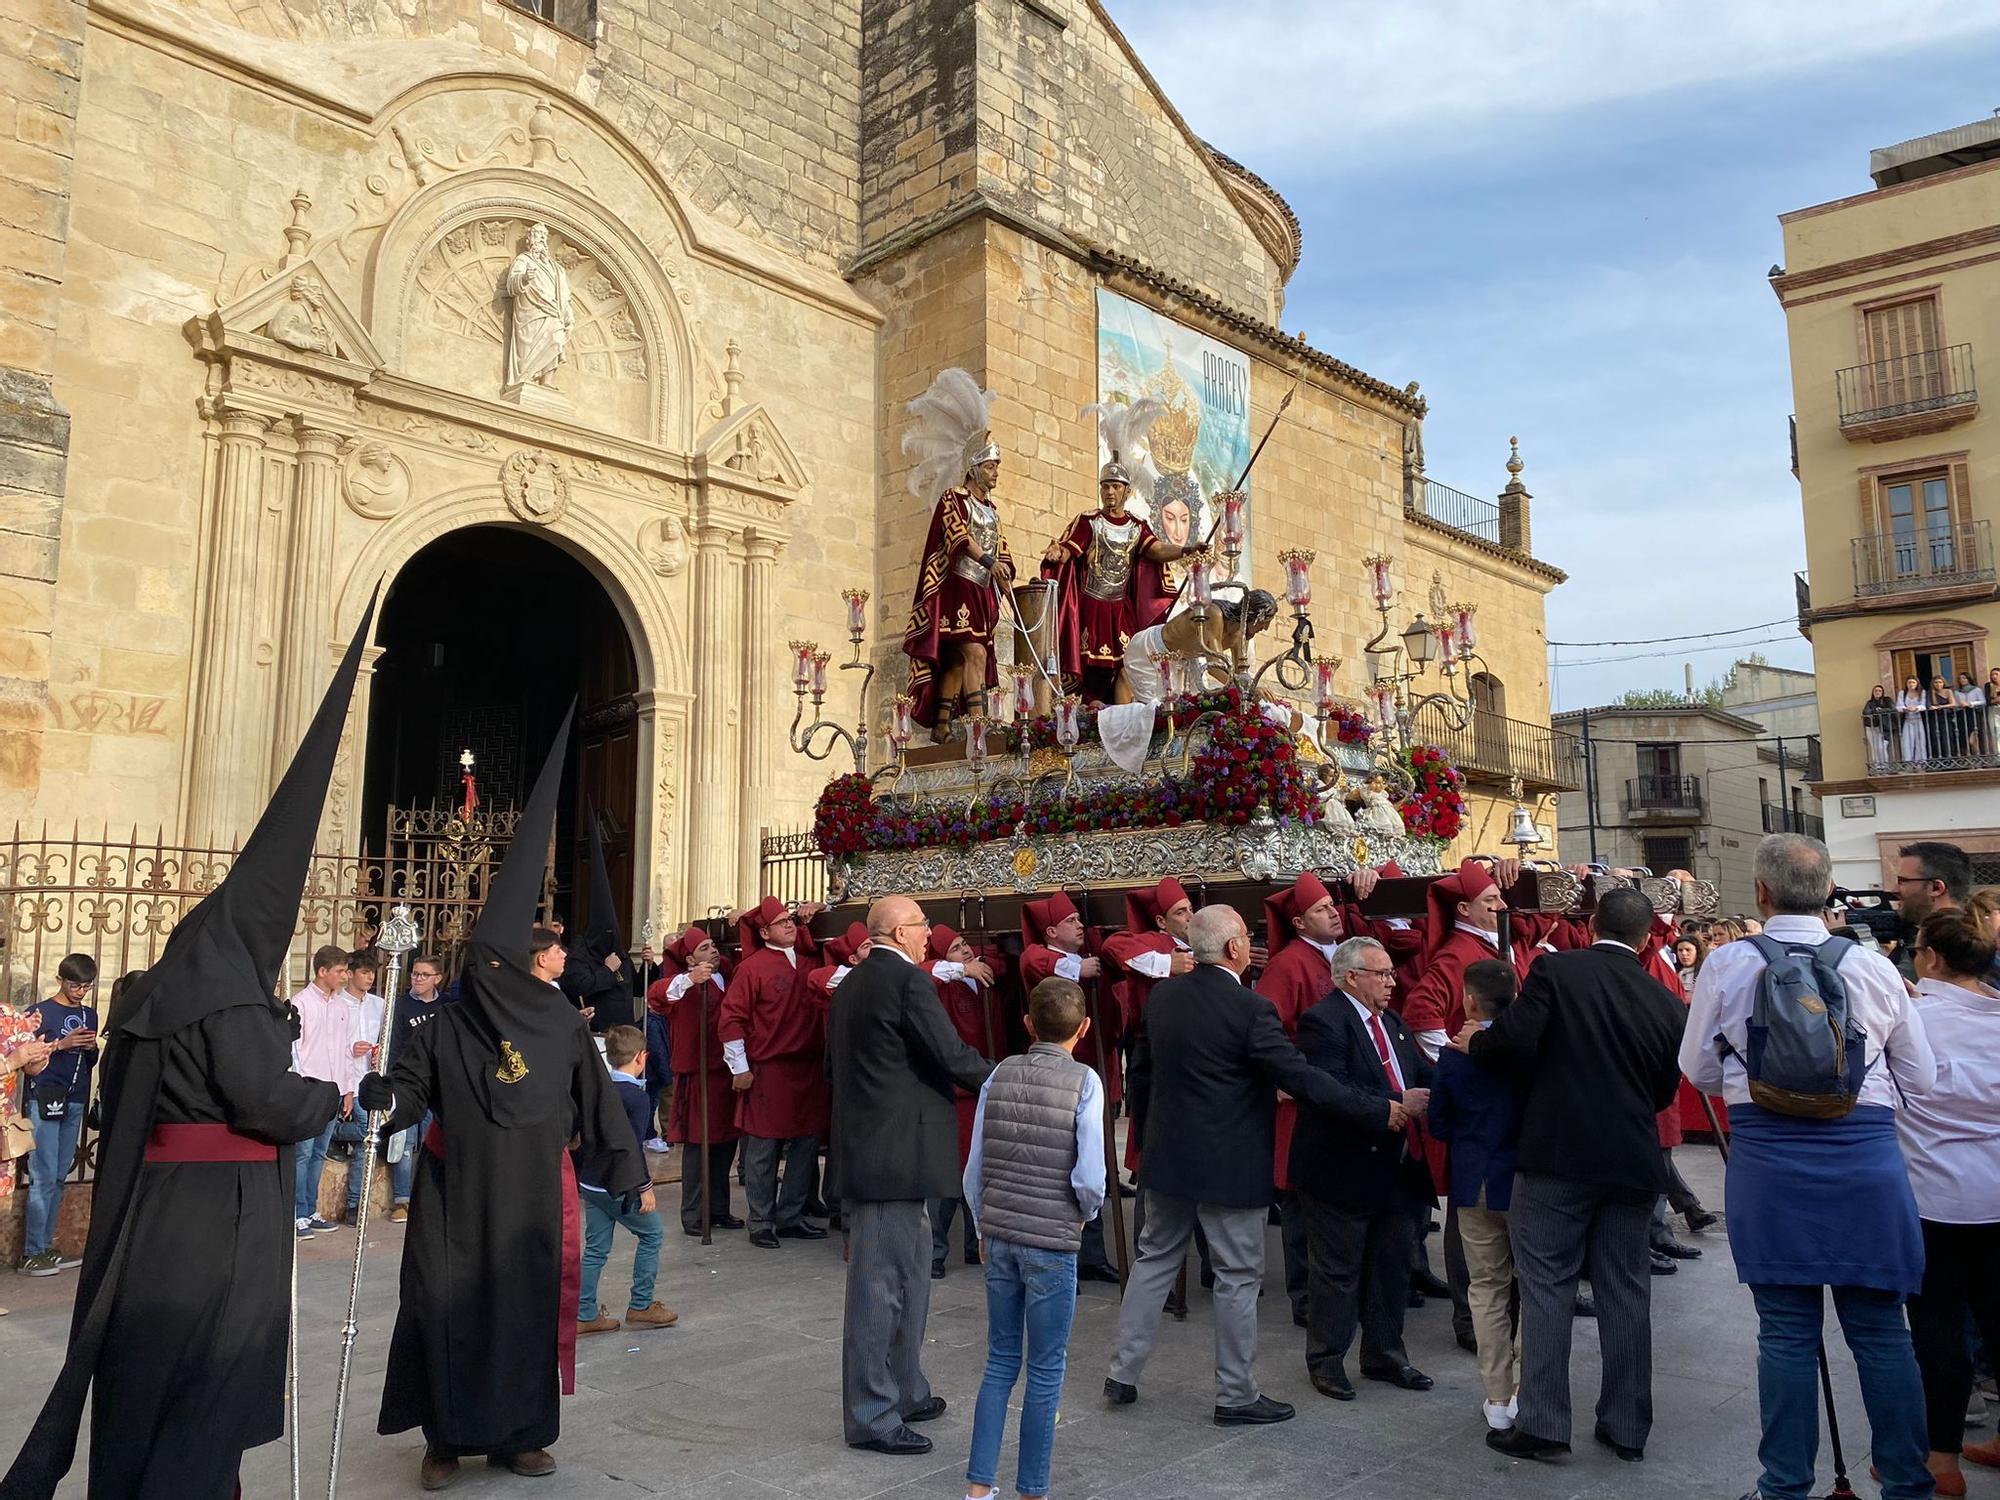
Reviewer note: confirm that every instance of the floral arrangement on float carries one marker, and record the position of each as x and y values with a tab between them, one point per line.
1434	808
1248	770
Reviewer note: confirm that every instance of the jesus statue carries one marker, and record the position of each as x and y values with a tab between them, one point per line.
537	290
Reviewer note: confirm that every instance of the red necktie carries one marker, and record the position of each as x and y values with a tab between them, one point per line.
1416	1145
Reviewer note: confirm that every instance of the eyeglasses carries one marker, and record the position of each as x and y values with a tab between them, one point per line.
1914	879
1378	973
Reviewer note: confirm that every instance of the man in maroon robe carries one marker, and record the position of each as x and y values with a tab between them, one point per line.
1463	926
1109	587
1055	942
693	978
774	1041
1152	947
1302	927
964	983
964	569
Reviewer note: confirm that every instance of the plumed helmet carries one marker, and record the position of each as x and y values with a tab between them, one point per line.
982	449
1114	472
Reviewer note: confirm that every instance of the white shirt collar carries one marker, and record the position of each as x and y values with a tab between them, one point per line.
892	948
1325	949
1491	939
1796	929
1604	942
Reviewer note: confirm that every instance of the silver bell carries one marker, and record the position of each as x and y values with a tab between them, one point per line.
1523	831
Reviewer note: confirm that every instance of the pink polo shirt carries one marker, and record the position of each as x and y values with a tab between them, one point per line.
326	1036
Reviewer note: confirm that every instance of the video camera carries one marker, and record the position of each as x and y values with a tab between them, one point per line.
1873	912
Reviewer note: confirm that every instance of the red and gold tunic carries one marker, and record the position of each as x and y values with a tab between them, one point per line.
957	603
1108	590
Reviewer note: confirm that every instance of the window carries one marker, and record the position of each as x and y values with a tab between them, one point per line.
1917	522
1930	664
1662	855
1985	870
1901	343
1662	762
577	17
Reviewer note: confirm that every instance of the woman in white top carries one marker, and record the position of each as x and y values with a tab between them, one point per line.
1951	1139
1912	703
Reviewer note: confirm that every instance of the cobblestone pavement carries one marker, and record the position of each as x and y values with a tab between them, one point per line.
740	1401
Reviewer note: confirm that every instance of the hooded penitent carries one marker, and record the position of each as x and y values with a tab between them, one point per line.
224	954
1301	897
1467	883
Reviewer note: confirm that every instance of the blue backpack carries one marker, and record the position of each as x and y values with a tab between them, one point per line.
1806	1054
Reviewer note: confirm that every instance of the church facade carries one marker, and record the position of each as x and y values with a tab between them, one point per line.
585	332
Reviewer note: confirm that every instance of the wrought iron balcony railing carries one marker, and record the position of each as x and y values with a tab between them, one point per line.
1678	795
1462	512
1931	380
1812	825
1903	562
1928	740
1494	747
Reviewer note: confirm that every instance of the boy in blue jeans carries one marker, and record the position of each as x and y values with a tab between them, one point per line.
1033	1179
625	1053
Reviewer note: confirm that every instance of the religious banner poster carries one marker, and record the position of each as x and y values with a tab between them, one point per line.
1200	441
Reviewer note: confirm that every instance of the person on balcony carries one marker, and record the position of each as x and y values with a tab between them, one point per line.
1911	704
1971	699
1878	725
1946	725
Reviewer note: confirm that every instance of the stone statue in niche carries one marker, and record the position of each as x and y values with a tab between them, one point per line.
540	314
300	321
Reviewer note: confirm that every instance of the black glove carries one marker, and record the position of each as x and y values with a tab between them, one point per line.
373	1093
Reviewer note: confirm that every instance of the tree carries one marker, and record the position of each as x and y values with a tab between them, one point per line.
1706	697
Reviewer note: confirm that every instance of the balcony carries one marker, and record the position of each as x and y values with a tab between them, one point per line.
1495	749
1663	799
1803	594
1923	392
1933	741
1892	563
1812	825
1462	512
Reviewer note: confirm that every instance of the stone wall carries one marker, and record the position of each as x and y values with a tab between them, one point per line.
41	69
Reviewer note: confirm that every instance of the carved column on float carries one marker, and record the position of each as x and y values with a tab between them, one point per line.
713	829
760	632
221	800
302	670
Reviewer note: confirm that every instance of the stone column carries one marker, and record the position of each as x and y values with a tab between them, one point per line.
760	719
302	659
713	828
222	801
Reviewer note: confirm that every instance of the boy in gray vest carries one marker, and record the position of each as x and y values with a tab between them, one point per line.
1034	1178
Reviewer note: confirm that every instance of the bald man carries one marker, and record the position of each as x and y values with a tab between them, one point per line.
893	1058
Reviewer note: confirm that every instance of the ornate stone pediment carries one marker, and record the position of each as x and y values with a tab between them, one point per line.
299	310
748	452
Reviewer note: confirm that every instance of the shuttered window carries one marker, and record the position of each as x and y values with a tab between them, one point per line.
1904	352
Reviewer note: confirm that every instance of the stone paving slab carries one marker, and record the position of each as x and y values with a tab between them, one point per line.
740	1401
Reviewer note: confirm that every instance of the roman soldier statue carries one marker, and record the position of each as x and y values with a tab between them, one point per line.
1109	584
965	567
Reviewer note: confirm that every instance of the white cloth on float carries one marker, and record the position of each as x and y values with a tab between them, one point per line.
1126	729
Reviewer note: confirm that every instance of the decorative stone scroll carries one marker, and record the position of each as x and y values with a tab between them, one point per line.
535	486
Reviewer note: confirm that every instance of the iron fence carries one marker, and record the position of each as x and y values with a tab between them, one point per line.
1462	512
1942	556
1927	740
1495	747
118	899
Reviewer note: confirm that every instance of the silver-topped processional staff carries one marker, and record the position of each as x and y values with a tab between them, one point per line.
398	936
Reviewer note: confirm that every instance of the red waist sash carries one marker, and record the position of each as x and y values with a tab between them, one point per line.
205	1143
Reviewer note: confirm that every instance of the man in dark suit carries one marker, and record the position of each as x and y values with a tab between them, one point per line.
893	1058
1210	1057
1359	1169
1596	1041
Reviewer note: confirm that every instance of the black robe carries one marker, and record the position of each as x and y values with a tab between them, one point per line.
473	1360
192	1370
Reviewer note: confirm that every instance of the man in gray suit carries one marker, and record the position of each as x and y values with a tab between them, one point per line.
893	1058
1210	1058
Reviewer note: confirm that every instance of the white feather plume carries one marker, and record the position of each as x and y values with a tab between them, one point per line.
949	416
1121	429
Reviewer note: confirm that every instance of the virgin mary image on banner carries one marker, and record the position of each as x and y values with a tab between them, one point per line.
1200	440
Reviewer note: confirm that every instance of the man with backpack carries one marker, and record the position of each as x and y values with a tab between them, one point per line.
1811	1040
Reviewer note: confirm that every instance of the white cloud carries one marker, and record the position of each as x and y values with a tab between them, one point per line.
1280	81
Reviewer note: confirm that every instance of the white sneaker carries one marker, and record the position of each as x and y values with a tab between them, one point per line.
1499	1414
658	1147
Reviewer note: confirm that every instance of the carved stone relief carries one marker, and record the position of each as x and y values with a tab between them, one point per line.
664	545
300	320
375	481
535	486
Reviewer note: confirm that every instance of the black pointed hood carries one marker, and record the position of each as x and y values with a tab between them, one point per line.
602	936
229	949
530	1023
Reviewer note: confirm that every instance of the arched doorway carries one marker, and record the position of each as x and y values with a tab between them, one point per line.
486	636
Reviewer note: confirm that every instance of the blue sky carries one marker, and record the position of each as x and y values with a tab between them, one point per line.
1558	217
